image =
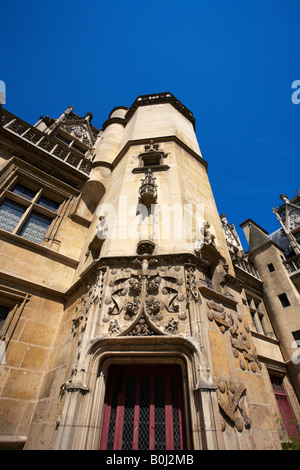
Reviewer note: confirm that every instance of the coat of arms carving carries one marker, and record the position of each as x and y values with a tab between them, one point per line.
145	299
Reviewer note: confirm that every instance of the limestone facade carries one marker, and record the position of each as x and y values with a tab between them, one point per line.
114	257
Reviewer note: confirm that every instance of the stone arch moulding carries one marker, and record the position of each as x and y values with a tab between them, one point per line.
81	420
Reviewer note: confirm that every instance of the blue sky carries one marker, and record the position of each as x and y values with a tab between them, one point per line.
232	63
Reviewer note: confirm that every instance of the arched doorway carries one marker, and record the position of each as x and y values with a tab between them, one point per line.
143	408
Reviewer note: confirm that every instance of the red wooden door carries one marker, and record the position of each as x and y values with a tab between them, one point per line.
143	409
284	406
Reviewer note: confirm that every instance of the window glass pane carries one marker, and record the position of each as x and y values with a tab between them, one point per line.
254	319
176	418
277	383
10	214
284	300
160	437
296	335
35	227
262	322
127	435
24	192
271	267
144	416
151	161
48	203
4	311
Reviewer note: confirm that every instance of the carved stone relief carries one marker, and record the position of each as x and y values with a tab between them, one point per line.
85	305
217	313
206	238
240	337
231	234
79	324
145	299
191	285
209	238
78	131
142	329
80	317
231	400
97	293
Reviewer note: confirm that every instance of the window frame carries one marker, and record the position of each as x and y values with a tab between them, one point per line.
31	206
284	300
12	299
115	397
259	317
4	305
271	267
151	160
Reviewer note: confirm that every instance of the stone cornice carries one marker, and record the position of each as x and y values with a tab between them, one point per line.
186	259
31	286
160	98
263	247
168	138
39	249
209	293
114	120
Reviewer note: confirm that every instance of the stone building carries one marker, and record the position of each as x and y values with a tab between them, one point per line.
131	315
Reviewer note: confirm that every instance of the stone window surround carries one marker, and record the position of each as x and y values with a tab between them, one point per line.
15	300
31	205
284	300
259	319
17	171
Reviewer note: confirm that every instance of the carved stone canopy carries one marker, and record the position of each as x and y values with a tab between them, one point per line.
152	155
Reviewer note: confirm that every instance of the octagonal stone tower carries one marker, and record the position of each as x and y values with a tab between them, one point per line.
160	296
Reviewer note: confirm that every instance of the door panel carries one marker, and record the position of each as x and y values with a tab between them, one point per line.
143	409
284	406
